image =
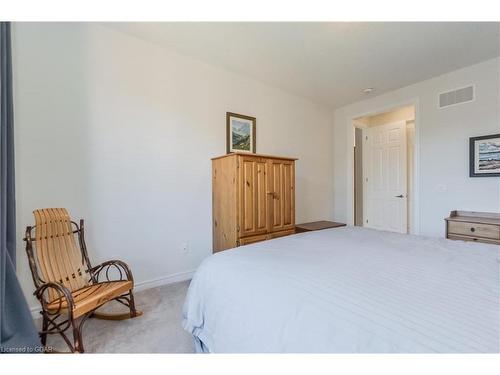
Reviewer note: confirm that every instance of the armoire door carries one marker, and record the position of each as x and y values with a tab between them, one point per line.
281	184
253	197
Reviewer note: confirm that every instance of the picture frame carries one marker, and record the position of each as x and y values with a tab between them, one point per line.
240	133
484	156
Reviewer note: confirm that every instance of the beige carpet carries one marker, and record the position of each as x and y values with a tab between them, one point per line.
159	330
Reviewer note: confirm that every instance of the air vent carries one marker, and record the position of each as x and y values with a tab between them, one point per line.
459	96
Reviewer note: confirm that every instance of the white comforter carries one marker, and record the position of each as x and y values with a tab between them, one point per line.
348	290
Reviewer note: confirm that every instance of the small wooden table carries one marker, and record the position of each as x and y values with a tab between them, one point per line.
473	226
317	225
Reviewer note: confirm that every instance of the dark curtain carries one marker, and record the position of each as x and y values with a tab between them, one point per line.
17	330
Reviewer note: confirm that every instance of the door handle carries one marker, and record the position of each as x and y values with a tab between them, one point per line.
399	196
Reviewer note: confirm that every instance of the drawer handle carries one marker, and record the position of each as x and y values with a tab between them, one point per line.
472	229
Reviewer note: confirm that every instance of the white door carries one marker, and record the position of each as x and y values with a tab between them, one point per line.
385	183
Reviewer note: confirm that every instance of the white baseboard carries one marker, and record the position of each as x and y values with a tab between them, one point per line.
143	285
35	312
165	280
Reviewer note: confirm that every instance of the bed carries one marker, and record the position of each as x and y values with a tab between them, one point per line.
347	290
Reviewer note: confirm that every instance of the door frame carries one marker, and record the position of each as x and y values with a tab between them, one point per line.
415	102
366	171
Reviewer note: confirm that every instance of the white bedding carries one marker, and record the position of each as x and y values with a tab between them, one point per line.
348	290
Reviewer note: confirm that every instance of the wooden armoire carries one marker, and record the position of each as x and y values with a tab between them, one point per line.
253	199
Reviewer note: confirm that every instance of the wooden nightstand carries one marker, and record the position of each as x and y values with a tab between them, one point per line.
473	226
317	225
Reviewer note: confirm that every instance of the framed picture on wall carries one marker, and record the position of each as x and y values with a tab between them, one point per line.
484	156
240	133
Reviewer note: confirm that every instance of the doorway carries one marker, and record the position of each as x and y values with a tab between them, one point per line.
384	170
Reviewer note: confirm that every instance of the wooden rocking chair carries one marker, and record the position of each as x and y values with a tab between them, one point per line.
69	289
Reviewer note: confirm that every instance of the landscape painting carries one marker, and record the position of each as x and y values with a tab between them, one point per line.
240	133
485	156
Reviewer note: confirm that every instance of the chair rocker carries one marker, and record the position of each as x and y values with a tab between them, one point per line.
69	289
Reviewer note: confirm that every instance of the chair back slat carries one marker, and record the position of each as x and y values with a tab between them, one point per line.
57	253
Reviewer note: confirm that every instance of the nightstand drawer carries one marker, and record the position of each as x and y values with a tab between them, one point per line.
473	239
474	229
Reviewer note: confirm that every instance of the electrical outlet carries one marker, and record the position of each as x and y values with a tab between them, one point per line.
441	188
185	247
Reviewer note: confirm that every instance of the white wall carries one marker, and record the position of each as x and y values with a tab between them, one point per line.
121	132
399	114
441	137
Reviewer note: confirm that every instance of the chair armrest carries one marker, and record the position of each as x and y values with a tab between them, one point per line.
120	266
62	292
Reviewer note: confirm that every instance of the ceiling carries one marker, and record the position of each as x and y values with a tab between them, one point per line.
329	63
